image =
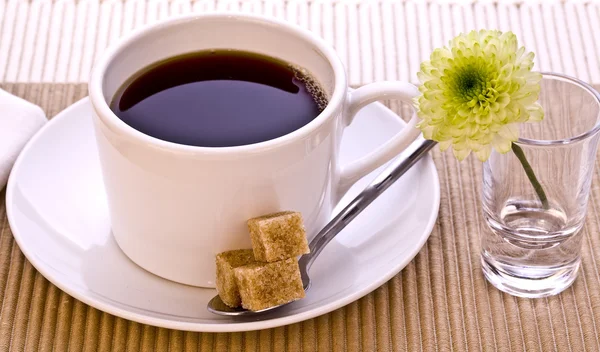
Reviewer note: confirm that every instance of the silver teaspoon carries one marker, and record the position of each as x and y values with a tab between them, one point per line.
382	182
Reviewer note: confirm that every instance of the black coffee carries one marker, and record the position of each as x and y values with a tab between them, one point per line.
219	98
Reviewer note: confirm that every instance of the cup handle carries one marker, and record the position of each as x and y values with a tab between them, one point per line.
361	97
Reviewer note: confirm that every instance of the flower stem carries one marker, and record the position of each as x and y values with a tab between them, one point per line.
531	175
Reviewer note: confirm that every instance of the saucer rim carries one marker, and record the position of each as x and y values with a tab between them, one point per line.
195	326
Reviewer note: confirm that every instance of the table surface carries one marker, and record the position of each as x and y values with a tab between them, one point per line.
440	301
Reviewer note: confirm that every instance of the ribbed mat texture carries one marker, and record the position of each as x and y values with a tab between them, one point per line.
439	302
58	41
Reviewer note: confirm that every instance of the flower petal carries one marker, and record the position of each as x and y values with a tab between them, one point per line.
444	145
476	91
484	153
501	145
536	113
461	154
509	132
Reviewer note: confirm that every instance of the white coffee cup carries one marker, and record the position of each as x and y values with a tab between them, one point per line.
173	207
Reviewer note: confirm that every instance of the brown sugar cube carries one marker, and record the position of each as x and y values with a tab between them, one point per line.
226	285
278	236
264	285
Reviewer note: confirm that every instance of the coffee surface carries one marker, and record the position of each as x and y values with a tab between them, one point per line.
219	98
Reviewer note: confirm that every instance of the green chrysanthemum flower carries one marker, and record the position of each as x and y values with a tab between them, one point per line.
476	92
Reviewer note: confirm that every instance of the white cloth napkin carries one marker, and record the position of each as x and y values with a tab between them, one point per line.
19	121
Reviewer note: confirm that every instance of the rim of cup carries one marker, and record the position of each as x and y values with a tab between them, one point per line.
109	118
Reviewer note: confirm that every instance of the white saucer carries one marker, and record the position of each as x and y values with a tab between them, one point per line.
58	214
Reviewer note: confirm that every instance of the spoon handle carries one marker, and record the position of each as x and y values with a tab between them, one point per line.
382	182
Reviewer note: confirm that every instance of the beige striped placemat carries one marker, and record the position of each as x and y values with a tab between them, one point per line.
57	41
439	302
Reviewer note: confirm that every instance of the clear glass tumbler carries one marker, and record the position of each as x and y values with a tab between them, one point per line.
534	247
